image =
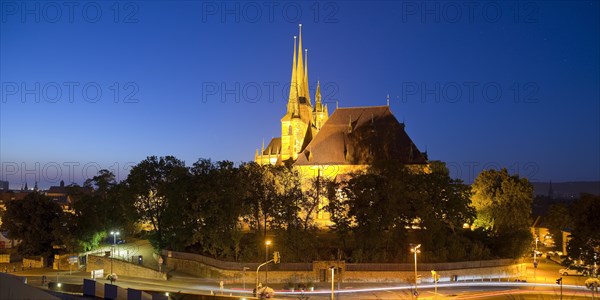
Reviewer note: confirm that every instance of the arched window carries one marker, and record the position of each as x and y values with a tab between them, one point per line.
290	130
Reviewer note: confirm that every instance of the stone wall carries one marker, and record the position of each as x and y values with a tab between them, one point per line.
121	268
511	271
33	262
321	271
61	262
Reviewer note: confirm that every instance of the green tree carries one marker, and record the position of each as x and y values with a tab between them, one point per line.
215	208
32	221
155	187
261	189
98	208
503	202
585	236
503	205
381	206
314	194
558	218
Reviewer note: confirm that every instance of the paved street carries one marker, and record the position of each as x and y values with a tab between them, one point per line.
544	276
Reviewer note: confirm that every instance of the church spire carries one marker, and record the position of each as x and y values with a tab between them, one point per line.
293	84
306	89
300	66
318	104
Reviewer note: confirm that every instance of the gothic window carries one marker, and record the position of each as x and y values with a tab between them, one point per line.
290	130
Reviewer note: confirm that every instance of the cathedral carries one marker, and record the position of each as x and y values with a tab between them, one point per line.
337	145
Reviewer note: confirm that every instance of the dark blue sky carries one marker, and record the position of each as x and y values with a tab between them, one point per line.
498	84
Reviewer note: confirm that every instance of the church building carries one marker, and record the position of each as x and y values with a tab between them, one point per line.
335	146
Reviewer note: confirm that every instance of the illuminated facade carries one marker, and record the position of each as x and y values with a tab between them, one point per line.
336	146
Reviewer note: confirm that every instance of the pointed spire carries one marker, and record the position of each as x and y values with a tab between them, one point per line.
318	104
293	83
300	66
262	150
306	89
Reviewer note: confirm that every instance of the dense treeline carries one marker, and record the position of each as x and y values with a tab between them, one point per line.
227	211
580	220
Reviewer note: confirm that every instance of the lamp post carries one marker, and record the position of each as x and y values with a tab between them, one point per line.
332	281
536	250
267	244
114	234
416	250
435	276
244	276
595	272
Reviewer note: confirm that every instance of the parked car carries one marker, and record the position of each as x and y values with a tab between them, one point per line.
574	271
110	240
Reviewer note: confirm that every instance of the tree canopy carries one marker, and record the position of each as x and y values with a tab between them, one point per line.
227	211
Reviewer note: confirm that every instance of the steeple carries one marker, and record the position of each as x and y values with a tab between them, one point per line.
306	89
318	104
300	66
293	85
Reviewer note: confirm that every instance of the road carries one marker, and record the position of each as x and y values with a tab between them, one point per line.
541	283
459	290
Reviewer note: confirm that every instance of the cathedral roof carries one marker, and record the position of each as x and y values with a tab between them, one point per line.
358	136
274	147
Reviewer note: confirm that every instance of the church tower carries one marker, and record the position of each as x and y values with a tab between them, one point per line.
320	113
297	124
301	121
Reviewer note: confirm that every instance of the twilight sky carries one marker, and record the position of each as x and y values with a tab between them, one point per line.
479	84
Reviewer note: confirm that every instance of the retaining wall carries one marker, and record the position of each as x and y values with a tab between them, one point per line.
233	272
121	268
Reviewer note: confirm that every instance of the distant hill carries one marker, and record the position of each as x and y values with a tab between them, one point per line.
566	190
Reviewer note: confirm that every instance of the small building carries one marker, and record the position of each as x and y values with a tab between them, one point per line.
60	195
541	232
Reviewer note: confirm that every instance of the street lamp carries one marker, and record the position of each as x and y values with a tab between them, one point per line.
114	234
536	250
332	281
416	250
244	276
267	244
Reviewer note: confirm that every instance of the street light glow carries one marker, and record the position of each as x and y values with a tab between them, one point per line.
416	250
267	244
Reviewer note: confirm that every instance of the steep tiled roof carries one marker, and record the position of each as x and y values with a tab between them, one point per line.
358	136
274	147
56	190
